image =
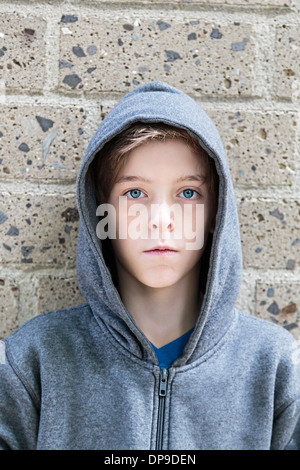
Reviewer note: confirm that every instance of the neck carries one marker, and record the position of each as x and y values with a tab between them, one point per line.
163	314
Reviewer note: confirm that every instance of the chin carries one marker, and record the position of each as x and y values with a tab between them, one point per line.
159	280
158	285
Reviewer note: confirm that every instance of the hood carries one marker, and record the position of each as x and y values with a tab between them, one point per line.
159	102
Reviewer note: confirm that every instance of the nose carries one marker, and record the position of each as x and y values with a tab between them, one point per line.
161	218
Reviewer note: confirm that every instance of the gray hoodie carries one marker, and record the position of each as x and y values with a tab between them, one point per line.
87	377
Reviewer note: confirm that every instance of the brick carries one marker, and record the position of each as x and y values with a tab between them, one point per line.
9	304
119	54
287	53
264	3
54	293
42	142
260	146
22	52
246	295
270	233
279	303
38	229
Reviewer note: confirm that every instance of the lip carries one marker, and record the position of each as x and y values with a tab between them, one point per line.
161	251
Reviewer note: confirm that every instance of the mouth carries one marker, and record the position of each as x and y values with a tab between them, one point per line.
161	251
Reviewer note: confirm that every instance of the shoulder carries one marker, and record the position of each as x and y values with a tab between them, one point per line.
47	333
270	341
264	329
61	318
273	350
45	344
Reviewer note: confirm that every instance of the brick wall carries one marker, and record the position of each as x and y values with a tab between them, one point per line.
63	65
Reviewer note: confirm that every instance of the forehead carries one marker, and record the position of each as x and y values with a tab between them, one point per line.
164	159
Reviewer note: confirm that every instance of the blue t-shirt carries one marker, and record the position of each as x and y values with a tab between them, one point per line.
171	351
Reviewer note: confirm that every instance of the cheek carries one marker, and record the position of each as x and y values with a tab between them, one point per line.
206	217
193	217
121	251
194	226
132	221
126	250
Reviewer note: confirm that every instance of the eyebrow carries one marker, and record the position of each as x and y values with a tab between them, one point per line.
201	178
124	179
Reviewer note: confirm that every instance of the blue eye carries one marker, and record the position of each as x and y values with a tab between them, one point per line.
135	193
188	193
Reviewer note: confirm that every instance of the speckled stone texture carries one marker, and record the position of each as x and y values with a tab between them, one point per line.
47	142
287	74
9	304
22	52
265	3
280	303
119	54
38	230
57	292
261	146
270	233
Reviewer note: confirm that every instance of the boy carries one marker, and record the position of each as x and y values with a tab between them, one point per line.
158	357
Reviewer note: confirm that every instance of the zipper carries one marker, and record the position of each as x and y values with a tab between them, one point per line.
161	407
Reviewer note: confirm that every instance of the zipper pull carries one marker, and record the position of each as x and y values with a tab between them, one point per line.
163	383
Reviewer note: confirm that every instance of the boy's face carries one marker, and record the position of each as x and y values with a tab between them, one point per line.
157	176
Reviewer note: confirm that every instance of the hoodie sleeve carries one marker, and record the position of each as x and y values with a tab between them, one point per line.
19	414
